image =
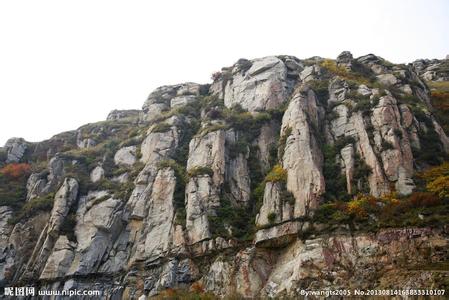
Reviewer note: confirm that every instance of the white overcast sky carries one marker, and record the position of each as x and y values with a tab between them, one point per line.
67	63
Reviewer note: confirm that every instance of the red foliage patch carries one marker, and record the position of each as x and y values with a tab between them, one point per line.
422	199
16	170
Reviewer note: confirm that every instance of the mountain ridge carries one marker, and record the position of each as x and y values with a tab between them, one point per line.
242	186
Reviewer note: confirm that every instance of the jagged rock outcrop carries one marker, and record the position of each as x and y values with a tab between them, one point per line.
159	230
302	156
95	233
259	84
58	263
241	187
202	190
64	198
123	114
166	97
97	174
325	262
46	181
15	149
274	206
125	156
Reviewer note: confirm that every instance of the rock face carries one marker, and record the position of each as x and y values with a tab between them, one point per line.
166	97
305	263
302	157
60	259
125	156
262	86
202	191
97	174
228	188
64	198
15	149
123	114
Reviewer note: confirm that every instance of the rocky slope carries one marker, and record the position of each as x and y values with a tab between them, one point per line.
257	185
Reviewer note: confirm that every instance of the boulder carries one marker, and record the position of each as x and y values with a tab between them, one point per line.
262	86
15	149
96	174
60	259
125	156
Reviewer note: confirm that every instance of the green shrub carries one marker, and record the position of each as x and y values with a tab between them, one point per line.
360	176
100	200
335	180
244	64
200	170
179	193
333	115
398	132
287	196
236	217
136	169
323	214
342	142
68	226
432	151
261	118
181	153
124	190
370	131
13	178
353	75
386	145
204	89
192	109
283	141
3	155
241	146
161	127
273	154
133	132
271	217
321	89
211	101
102	184
363	104
211	128
33	207
277	113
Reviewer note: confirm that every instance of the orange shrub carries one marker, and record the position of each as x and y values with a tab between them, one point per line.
423	199
197	287
277	174
440	186
169	292
355	208
16	170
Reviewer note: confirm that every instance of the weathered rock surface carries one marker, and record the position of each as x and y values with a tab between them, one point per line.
161	99
15	149
122	114
97	174
302	156
59	261
304	265
125	156
261	86
215	188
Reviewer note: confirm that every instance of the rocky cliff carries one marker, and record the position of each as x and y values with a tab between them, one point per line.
283	174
